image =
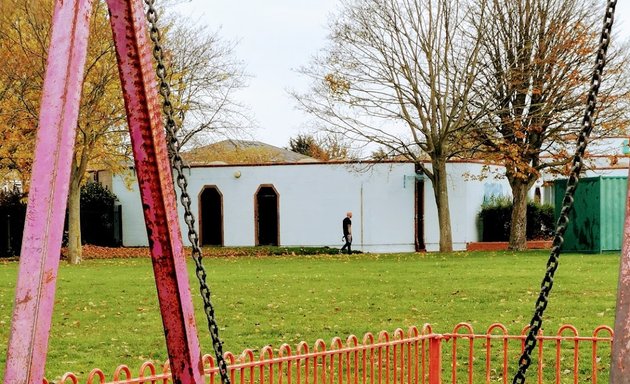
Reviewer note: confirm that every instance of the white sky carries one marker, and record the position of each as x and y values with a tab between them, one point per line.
274	38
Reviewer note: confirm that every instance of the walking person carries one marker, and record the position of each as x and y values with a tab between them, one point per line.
347	233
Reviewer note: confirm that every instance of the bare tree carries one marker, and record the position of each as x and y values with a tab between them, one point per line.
399	74
204	77
537	60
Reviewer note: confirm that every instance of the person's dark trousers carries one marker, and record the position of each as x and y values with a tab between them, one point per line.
348	244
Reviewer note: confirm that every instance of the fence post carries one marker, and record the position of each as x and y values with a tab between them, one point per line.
435	360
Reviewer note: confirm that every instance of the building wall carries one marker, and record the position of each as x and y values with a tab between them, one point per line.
469	184
102	177
314	197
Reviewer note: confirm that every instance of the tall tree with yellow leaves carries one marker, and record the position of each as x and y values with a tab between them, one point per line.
20	86
100	140
204	77
101	130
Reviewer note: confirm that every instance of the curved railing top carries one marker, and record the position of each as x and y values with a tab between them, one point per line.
303	350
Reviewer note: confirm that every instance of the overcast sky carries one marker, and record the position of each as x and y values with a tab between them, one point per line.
274	38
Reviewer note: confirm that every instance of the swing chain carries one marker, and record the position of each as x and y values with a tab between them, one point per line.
567	203
182	182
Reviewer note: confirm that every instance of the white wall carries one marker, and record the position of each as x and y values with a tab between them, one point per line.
134	230
313	200
468	184
314	197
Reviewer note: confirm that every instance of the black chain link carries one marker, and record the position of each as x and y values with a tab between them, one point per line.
178	164
567	203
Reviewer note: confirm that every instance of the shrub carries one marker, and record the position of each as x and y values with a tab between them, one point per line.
97	218
540	221
95	196
496	218
12	215
97	215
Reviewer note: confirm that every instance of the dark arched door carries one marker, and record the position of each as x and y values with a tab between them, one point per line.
267	225
211	224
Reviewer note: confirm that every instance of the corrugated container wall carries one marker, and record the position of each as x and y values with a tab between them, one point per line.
596	221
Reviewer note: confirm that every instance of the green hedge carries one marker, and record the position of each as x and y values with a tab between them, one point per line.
496	217
97	218
12	215
98	215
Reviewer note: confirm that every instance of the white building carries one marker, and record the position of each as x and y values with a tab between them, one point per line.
303	204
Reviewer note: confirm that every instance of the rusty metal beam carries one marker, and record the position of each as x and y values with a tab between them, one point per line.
620	368
156	188
48	195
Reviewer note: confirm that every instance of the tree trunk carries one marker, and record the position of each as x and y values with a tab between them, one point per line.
441	199
518	228
74	223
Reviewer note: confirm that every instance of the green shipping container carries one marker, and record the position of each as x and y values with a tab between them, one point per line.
597	219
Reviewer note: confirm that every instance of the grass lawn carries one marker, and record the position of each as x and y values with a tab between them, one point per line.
106	311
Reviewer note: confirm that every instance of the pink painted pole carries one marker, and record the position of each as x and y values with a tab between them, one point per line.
620	369
156	188
48	195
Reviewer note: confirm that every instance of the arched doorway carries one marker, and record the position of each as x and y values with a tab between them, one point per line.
266	216
211	214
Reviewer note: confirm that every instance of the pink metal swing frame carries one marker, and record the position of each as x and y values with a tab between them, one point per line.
39	261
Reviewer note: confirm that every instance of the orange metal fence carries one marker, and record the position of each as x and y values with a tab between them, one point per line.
418	356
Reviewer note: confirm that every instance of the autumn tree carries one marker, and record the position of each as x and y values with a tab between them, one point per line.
325	148
304	144
20	85
537	58
380	155
399	74
102	139
384	154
